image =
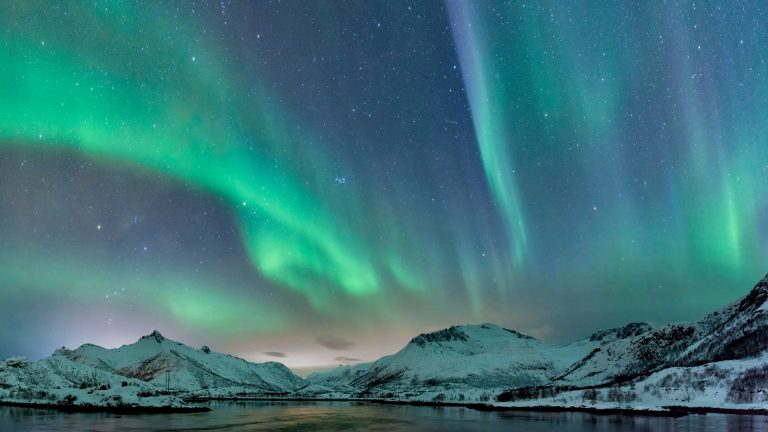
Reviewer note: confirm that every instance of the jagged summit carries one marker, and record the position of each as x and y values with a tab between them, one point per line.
159	338
463	333
453	333
757	297
63	351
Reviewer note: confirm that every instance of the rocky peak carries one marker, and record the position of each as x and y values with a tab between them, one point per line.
454	333
756	298
155	335
63	351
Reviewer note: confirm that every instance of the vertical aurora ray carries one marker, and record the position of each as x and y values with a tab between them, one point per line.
632	147
491	128
720	217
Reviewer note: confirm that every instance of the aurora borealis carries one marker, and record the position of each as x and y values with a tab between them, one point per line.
262	176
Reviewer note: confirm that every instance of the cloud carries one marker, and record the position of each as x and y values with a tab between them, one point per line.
334	342
345	359
275	354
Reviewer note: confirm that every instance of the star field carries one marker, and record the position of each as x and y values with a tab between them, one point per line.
259	176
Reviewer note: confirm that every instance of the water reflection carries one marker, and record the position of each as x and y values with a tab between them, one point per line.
350	416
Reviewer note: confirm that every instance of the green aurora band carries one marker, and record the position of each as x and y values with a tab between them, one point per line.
161	109
596	171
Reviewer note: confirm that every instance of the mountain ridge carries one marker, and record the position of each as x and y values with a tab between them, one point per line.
738	331
155	358
718	361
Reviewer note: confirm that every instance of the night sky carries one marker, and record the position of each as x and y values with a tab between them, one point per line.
316	182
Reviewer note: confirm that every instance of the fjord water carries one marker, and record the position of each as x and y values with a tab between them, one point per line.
352	416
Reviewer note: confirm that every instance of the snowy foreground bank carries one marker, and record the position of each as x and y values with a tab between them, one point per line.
719	364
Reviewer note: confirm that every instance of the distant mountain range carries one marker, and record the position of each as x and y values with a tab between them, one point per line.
726	353
720	361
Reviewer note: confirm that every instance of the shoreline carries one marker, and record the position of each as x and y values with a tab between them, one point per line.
665	411
120	409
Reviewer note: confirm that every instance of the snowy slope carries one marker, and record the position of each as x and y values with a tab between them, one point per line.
730	384
626	357
738	331
154	358
56	380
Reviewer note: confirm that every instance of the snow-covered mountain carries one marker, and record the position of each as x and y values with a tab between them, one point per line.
480	356
738	331
482	359
59	381
155	359
152	373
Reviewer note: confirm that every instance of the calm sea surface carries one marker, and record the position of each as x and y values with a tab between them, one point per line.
349	416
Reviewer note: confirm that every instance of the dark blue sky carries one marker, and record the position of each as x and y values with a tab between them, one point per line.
260	176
